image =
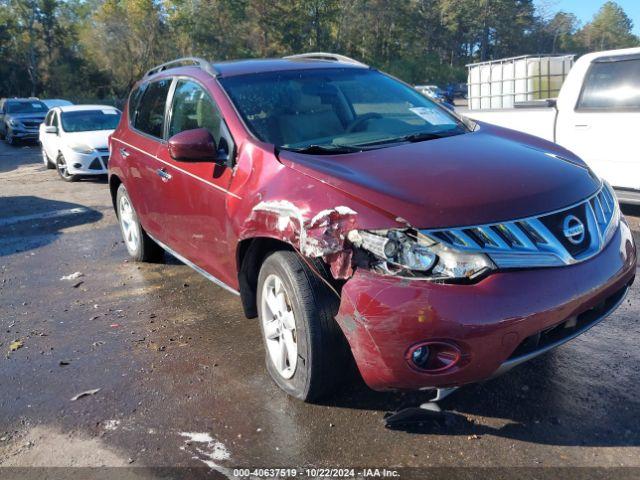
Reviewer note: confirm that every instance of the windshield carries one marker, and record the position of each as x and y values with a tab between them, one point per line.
34	106
90	120
336	109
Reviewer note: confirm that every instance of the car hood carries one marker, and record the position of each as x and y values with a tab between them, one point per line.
26	116
487	176
95	139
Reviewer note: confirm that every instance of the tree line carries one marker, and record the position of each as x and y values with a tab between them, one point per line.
96	49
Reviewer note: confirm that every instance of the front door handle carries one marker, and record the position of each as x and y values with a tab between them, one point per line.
583	126
163	174
124	152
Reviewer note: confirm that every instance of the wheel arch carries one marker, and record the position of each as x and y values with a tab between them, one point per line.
250	254
114	184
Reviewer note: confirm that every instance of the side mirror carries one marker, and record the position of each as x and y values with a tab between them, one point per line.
51	129
195	145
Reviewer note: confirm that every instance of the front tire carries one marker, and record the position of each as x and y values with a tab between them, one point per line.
139	245
63	171
306	352
10	139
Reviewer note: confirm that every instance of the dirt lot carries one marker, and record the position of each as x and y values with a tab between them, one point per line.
182	383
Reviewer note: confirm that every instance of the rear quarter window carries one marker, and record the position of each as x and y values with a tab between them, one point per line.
611	85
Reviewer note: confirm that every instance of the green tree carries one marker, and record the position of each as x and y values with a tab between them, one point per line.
610	28
124	38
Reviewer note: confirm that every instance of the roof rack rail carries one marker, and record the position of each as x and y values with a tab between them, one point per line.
199	62
332	57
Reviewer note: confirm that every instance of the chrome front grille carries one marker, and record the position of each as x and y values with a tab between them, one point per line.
31	124
540	241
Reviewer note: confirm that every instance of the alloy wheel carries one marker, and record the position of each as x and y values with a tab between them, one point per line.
279	326
62	167
129	224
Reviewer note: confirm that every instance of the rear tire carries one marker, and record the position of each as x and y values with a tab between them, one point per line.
297	311
61	166
140	246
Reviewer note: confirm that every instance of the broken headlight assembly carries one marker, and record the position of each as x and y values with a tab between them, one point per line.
413	254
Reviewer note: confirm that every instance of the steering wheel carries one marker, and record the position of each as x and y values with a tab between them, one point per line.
361	120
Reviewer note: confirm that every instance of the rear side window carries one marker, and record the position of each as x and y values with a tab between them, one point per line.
150	113
612	86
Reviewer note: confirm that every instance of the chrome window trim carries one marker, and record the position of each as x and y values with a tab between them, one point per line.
528	243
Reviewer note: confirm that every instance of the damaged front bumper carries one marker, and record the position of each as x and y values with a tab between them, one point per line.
505	319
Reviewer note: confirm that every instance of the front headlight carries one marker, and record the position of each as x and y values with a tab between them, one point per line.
81	148
413	254
15	123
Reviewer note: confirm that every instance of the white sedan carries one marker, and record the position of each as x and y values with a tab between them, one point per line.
75	138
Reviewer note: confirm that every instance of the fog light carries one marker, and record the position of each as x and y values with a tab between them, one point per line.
433	357
77	165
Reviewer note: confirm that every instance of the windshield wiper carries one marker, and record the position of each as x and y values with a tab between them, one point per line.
323	149
415	137
421	136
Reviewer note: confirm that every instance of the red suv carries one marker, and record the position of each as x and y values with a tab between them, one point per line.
359	220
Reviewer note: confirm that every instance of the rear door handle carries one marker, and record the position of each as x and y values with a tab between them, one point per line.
583	126
163	174
124	153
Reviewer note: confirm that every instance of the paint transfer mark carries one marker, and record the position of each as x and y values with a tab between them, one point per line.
324	234
43	216
325	214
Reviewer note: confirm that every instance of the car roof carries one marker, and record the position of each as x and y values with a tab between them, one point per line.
252	66
589	57
234	68
79	108
22	100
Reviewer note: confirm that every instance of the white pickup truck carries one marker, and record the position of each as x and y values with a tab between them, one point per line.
596	116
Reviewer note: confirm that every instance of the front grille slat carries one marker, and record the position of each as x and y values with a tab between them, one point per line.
496	239
463	240
552	239
601	216
608	201
532	232
520	236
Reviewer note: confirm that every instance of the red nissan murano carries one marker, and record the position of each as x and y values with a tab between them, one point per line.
359	220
